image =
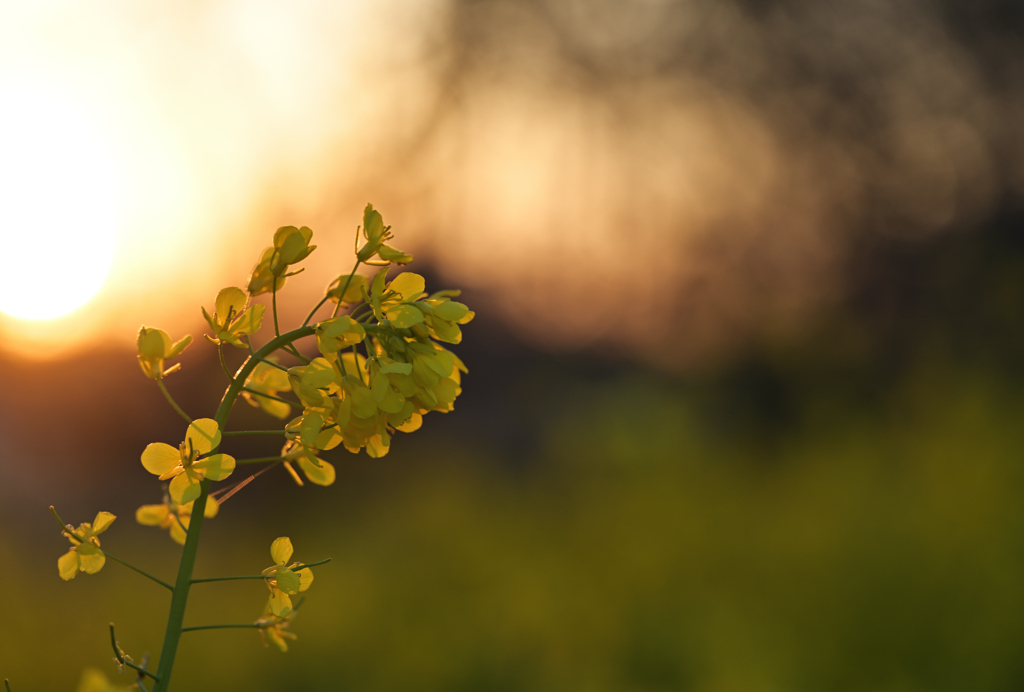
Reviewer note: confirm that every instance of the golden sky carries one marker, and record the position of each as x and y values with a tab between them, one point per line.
601	170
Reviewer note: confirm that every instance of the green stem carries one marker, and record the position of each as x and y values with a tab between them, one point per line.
161	582
7	684
221	627
209	579
259	460
223	363
179	600
271	396
259	576
121	659
251	432
172	402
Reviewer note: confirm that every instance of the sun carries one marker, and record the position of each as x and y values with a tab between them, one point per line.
57	203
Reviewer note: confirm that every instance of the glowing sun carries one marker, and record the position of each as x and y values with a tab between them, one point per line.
57	203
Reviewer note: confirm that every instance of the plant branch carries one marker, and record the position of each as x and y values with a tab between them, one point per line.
121	659
161	582
251	432
172	402
222	627
258	460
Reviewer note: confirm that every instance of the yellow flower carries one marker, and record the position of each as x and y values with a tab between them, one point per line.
313	467
276	628
171	515
291	245
376	233
282	580
338	333
85	554
231	319
154	347
184	464
269	380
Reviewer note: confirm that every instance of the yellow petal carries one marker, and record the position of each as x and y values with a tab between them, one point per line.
151	515
230	301
281	550
160	458
178	534
287	580
91	558
212	507
216	467
321	476
280	604
67	565
102	522
183	489
409	285
305	578
204	434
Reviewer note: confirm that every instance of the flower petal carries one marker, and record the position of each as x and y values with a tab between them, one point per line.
287	580
305	578
216	467
281	550
183	489
102	522
280	604
160	458
91	558
204	434
67	565
151	515
324	475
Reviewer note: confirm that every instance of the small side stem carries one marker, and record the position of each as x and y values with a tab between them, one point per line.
251	432
172	402
259	460
221	627
161	582
271	396
209	579
224	363
121	659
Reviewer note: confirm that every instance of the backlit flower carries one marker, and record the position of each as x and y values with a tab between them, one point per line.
186	465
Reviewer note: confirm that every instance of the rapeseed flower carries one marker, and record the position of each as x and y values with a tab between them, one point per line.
85	554
232	319
282	580
268	379
291	245
170	515
187	466
154	347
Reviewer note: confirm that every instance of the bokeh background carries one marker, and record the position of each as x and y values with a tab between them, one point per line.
745	400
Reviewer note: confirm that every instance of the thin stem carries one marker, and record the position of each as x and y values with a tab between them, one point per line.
171	401
139	683
179	600
223	363
270	396
259	576
7	684
121	659
64	527
277	330
209	579
221	627
347	282
259	460
145	574
251	432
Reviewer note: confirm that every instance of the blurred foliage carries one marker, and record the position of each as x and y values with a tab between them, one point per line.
843	513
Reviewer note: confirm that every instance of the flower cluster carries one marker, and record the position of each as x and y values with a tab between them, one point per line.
380	365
